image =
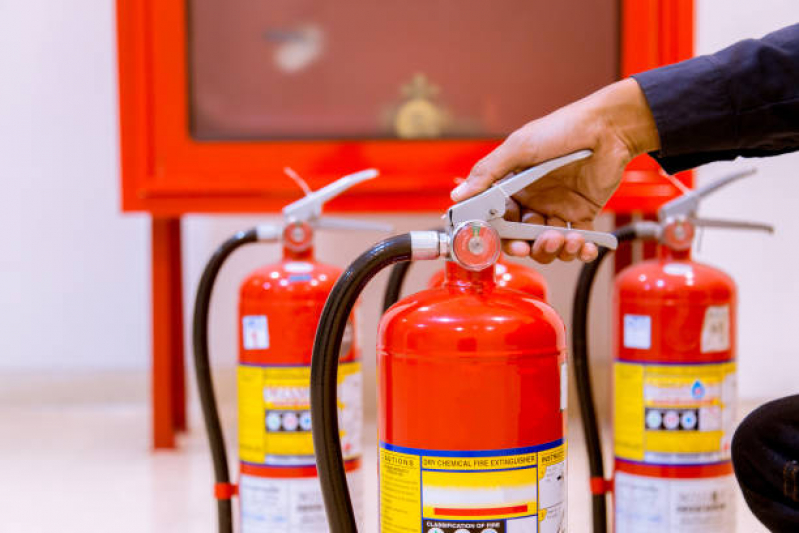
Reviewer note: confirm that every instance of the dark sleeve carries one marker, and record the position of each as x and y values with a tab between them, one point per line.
741	101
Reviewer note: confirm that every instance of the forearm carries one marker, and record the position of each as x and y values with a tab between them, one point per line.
741	101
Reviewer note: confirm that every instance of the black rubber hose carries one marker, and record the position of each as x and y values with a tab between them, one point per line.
582	375
324	370
394	286
397	279
202	369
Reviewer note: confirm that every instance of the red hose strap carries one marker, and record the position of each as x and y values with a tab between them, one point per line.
225	491
601	485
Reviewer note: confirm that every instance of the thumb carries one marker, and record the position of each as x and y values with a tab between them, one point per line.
505	158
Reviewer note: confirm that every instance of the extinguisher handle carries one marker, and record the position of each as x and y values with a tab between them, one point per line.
530	232
490	205
327	222
688	204
731	224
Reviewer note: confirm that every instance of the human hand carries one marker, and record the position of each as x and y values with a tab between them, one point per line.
614	122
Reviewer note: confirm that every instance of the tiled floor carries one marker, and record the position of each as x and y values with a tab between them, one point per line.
74	456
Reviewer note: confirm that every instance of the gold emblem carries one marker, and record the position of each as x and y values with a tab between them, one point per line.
419	117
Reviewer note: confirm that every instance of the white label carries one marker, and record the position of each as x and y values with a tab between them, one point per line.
678	269
716	329
255	331
657	505
298	267
289	505
552	499
637	331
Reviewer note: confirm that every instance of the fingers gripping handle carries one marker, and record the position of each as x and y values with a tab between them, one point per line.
530	232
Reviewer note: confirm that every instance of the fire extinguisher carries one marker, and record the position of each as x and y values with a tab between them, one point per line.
508	274
472	384
674	380
279	307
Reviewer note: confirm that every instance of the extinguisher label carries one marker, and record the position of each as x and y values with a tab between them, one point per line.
716	329
275	413
674	414
255	332
656	505
638	332
289	505
495	491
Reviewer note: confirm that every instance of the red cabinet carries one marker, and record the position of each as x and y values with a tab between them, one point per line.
217	97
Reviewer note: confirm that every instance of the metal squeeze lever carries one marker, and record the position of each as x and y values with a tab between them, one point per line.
306	213
678	218
486	210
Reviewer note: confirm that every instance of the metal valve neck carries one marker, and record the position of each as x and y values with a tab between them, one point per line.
298	241
462	279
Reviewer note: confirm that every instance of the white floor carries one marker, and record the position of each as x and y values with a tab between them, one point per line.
75	456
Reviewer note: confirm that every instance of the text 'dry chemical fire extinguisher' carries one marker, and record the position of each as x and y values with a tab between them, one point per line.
279	307
674	380
472	384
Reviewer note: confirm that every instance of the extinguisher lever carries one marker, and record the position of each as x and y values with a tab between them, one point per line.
327	222
490	205
731	224
310	206
688	204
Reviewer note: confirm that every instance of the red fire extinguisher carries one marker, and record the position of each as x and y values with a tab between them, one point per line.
509	274
674	381
279	307
472	384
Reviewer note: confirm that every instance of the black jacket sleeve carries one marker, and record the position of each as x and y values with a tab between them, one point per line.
741	101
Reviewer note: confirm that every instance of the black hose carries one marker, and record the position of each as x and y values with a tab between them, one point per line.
202	368
394	286
397	279
324	370
582	375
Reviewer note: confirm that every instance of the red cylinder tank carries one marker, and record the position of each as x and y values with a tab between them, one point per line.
675	396
279	308
509	275
471	417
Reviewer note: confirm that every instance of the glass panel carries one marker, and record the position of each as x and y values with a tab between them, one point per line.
313	69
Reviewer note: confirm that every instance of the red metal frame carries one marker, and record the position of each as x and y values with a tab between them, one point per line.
167	173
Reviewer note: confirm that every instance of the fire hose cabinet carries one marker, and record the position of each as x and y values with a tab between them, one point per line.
216	98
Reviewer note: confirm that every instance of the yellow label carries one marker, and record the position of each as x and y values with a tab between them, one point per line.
674	414
425	490
275	416
400	482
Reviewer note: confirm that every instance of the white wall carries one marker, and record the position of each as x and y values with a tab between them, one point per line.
763	266
76	278
74	270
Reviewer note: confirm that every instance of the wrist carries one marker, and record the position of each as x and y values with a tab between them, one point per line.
626	112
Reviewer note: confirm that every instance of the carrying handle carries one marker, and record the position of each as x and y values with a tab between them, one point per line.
731	224
530	232
328	222
687	205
